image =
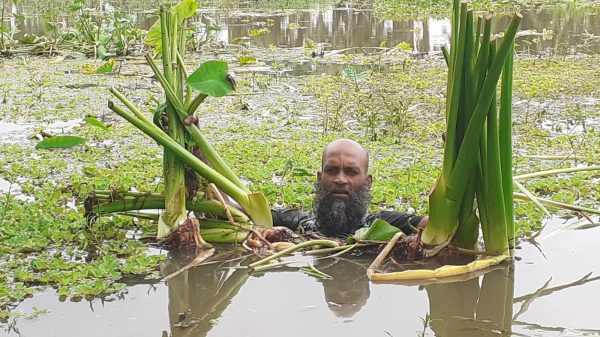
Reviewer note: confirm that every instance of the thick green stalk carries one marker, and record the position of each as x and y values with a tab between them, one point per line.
192	106
468	223
173	168
130	106
445	203
446	56
455	33
470	145
494	231
505	134
454	97
478	32
255	204
211	155
157	201
165	42
196	164
443	219
482	63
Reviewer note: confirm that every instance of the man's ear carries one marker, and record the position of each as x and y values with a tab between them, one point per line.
369	180
318	176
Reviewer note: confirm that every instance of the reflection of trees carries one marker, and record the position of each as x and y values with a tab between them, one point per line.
468	309
567	23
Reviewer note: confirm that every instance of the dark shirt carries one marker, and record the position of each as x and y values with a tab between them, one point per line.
305	222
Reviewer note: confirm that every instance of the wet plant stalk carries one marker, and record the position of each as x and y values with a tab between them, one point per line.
472	120
326	243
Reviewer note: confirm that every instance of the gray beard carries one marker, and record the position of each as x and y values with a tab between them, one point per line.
339	217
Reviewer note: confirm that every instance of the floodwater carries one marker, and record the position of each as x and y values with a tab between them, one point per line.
554	30
547	291
550	290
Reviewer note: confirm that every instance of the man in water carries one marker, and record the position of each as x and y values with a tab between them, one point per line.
343	196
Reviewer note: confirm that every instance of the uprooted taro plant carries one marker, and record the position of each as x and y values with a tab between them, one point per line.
195	177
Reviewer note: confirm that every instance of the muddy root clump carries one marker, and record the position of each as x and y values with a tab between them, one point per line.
186	236
409	248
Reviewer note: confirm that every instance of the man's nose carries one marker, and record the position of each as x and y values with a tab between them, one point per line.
340	179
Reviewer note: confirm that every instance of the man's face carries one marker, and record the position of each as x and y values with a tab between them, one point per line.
344	170
343	189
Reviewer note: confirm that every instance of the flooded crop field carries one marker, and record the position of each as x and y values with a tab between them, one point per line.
305	74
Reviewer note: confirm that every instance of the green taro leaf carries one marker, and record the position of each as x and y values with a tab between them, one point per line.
380	230
211	79
94	122
186	9
60	142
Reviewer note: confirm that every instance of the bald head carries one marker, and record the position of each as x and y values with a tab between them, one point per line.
346	147
343	186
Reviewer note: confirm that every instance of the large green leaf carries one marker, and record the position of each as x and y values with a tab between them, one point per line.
211	79
60	142
185	9
380	230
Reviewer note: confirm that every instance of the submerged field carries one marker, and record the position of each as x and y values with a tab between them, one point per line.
271	131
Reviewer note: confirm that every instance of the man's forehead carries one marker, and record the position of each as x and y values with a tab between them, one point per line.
347	150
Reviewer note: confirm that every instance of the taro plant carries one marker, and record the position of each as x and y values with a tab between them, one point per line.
188	156
475	185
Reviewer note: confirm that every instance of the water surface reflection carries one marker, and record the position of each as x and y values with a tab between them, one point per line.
479	306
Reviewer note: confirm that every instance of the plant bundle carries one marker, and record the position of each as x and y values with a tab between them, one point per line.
477	161
475	185
188	156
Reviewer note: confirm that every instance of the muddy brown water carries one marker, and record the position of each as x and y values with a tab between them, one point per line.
546	292
550	291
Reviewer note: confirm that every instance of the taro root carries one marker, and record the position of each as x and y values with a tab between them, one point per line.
191	119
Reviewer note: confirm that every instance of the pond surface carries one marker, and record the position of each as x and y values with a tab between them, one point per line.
550	291
546	292
555	30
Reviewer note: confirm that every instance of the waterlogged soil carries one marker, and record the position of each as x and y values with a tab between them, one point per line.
548	291
287	107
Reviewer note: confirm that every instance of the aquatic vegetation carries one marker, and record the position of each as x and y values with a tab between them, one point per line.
175	127
270	132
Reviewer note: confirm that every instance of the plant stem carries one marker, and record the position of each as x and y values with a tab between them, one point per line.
556	171
326	243
559	204
206	171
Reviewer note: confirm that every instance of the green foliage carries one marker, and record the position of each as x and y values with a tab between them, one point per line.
211	78
94	122
107	67
350	73
60	142
244	60
380	230
184	9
